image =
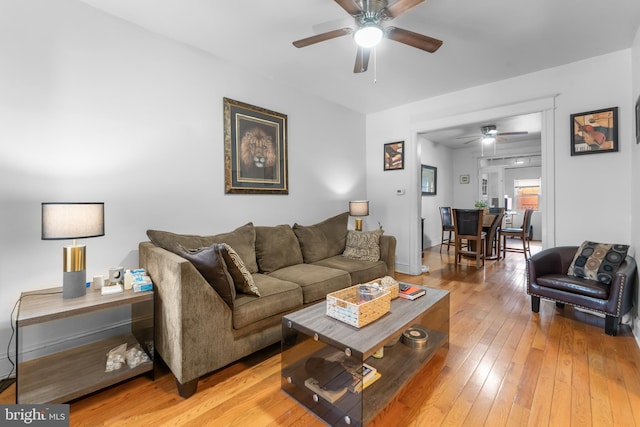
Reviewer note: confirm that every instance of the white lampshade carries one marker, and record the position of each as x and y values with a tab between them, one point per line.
359	208
72	220
368	36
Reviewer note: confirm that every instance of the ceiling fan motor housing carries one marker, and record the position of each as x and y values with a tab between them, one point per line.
489	130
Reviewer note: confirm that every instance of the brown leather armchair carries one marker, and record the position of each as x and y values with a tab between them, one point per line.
547	278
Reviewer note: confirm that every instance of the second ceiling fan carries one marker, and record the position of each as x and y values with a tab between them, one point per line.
489	134
369	31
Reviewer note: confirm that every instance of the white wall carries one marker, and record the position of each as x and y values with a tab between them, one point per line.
579	181
634	194
95	109
437	155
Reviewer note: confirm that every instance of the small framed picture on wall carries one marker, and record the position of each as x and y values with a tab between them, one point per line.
394	155
464	179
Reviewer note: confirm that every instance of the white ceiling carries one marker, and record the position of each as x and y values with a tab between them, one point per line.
463	136
484	41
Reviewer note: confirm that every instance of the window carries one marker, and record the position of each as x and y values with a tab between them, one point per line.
527	194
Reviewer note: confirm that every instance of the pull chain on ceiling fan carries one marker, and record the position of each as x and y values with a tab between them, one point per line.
369	16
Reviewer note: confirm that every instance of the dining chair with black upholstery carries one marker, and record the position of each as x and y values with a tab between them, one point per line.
520	233
467	224
447	226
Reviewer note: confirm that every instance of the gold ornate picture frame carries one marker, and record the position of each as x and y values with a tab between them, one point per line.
255	149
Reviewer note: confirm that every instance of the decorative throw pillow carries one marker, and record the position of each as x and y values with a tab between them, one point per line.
363	245
276	247
243	239
210	263
240	274
324	239
597	261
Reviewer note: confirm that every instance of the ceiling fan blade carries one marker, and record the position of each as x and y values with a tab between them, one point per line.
472	140
416	40
513	133
351	7
400	7
362	60
322	37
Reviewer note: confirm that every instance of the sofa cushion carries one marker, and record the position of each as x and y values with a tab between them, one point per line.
242	239
574	285
242	279
324	239
316	281
277	297
364	245
597	261
359	270
210	263
276	247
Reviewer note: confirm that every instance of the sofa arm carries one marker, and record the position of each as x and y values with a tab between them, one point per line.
186	307
623	285
388	253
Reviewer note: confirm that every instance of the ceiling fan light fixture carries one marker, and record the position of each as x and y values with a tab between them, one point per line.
368	36
488	139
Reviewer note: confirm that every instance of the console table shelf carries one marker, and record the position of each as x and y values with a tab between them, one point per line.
66	375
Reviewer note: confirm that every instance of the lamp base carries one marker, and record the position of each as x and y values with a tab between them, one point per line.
74	284
358	224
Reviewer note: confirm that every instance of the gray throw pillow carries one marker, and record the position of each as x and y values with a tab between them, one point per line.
210	263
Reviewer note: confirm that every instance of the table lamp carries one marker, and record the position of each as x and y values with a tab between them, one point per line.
358	208
62	221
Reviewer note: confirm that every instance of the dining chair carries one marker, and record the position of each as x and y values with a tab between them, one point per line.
521	233
447	226
492	247
467	224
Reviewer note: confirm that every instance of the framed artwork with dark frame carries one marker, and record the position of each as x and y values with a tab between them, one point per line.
429	180
594	132
394	155
638	121
255	150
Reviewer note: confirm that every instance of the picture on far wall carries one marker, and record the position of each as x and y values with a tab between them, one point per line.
255	150
594	132
394	155
429	180
464	179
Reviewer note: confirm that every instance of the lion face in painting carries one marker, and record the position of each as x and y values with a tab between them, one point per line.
257	149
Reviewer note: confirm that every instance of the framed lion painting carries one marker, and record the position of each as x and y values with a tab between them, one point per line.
255	149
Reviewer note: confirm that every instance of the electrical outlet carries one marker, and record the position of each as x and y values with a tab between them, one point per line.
400	191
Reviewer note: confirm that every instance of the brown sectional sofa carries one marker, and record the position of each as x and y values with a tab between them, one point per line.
198	331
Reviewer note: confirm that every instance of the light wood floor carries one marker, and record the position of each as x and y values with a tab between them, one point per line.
505	366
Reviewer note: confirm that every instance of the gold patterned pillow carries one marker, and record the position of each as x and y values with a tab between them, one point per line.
597	261
363	245
241	277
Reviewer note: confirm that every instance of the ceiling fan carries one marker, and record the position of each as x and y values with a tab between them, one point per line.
489	134
369	31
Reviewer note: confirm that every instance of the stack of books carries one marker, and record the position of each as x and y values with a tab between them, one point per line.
410	292
363	378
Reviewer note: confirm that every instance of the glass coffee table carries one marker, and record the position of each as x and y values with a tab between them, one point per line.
322	356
